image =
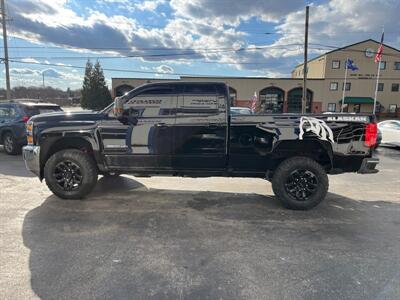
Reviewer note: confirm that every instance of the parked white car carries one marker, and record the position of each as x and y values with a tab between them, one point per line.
390	130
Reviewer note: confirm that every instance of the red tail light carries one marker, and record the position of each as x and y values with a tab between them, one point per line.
25	119
371	133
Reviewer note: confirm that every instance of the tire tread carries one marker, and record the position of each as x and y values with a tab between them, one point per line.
87	164
280	177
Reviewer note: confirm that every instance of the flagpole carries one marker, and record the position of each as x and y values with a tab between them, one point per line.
376	85
344	85
379	68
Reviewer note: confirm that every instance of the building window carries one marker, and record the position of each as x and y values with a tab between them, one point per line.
271	100
397	65
392	108
380	87
335	64
395	87
382	65
333	86
348	86
356	108
332	107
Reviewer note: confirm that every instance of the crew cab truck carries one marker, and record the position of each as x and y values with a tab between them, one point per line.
186	129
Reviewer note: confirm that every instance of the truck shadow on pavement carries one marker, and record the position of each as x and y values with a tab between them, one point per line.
130	242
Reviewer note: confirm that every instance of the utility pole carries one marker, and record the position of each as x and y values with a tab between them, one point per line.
4	20
43	78
304	100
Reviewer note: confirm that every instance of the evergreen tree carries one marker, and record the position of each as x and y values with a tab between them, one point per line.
95	94
87	87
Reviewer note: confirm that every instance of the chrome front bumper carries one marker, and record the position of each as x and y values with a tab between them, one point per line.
31	156
368	166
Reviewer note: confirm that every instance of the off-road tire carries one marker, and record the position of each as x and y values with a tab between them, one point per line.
10	145
88	171
284	171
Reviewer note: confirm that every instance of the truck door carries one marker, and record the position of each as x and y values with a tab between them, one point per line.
148	144
201	129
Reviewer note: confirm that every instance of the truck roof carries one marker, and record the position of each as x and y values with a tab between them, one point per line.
38	104
31	102
182	83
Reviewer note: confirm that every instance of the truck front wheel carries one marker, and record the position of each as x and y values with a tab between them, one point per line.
70	174
300	183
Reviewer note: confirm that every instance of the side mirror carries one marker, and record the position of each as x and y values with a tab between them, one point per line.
118	107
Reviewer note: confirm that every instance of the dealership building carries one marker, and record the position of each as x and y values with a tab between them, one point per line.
326	74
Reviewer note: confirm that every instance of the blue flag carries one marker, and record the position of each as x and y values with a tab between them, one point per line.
351	65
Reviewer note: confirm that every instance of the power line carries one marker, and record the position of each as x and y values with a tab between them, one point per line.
153	72
193	54
148	49
115	70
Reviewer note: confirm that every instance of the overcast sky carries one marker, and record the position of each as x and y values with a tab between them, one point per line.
170	37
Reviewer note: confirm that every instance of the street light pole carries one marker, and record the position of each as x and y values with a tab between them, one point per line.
3	19
304	102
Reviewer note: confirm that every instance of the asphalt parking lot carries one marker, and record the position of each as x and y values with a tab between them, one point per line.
212	238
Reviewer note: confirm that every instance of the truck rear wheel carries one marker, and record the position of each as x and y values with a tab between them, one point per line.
70	174
300	183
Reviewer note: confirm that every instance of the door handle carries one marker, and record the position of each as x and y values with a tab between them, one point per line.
212	125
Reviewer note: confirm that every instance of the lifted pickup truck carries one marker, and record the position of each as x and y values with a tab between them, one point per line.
186	129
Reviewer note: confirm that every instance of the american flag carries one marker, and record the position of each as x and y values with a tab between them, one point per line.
254	102
378	55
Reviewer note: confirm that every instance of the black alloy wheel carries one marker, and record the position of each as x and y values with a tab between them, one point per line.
68	175
301	184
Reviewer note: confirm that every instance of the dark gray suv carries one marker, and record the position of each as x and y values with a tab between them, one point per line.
13	116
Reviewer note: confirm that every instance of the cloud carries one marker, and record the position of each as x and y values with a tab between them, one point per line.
29	60
196	25
150	5
342	22
63	65
59	25
211	24
52	73
232	12
48	73
164	69
23	71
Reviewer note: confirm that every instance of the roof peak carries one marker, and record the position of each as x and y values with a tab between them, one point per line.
344	47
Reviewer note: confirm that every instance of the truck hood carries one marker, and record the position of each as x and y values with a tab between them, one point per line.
65	117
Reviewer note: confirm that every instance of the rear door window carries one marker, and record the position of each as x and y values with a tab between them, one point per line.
198	99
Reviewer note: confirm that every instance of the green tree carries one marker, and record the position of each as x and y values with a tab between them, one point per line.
95	93
87	87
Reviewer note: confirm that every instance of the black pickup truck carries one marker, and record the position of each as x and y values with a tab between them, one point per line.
186	129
